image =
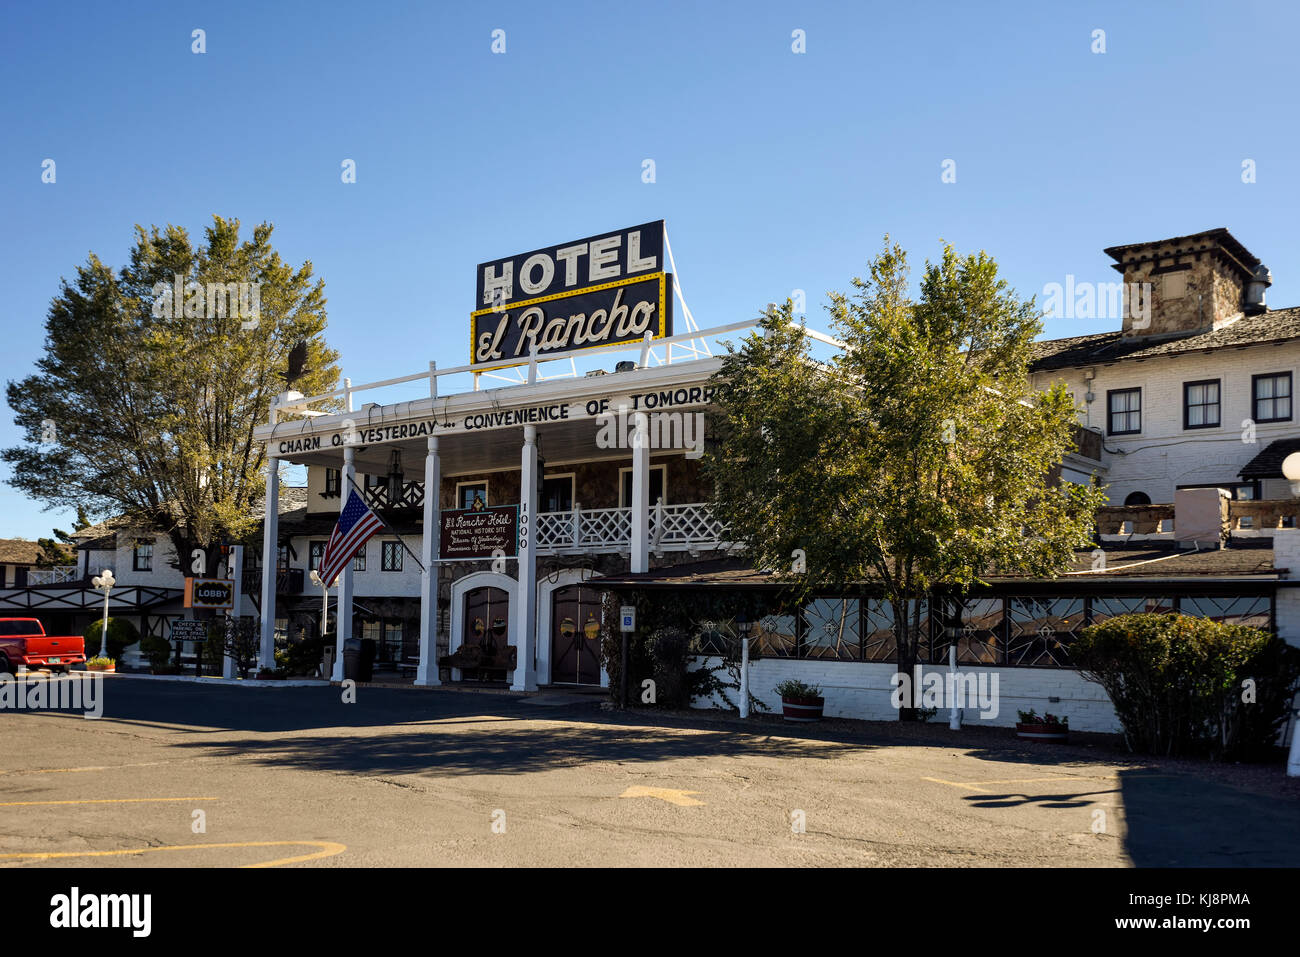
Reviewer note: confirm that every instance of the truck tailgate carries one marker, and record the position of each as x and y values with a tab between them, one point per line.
54	646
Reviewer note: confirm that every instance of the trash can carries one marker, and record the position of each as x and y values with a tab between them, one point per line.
366	666
352	660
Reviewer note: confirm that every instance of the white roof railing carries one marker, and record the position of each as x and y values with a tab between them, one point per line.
528	370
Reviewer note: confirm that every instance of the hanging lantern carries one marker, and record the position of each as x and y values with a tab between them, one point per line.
395	478
591	629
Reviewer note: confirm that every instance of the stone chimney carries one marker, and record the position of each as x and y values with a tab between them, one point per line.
1188	284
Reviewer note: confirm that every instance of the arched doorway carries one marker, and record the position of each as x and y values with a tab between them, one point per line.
486	623
575	635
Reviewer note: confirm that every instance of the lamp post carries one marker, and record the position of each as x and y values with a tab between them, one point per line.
742	628
104	580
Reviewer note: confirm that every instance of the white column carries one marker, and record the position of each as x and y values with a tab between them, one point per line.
526	594
344	616
427	672
640	494
236	573
270	539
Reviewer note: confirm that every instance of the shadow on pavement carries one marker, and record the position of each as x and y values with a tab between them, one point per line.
1185	821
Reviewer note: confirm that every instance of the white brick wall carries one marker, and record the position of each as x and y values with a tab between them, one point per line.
863	691
1165	455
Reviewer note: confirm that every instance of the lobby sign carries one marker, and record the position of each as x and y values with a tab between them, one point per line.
480	533
209	593
598	291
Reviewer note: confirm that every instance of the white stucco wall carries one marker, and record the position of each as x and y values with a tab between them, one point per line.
863	690
1165	455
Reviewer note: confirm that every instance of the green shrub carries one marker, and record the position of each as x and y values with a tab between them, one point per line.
1184	685
302	657
157	649
795	689
121	634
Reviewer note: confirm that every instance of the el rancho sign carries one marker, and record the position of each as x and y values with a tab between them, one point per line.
598	291
480	532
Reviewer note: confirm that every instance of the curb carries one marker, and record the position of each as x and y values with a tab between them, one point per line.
232	682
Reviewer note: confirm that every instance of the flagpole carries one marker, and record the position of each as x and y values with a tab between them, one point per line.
375	512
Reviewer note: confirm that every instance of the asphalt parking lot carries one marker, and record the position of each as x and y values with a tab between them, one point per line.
184	774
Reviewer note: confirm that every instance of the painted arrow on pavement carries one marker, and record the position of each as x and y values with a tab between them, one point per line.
671	795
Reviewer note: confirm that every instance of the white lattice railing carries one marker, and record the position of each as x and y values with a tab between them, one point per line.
672	528
58	575
684	526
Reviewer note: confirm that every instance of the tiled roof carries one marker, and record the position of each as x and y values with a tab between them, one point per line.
104	534
1149	561
18	551
1275	325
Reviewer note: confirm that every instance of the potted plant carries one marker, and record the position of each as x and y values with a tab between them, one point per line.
99	663
1047	728
800	702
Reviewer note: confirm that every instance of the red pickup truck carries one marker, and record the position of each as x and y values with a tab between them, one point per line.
24	642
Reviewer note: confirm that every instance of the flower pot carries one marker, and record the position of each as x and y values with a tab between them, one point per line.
1042	732
802	709
112	667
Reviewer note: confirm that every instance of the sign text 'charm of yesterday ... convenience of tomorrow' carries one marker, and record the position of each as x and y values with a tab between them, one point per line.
597	291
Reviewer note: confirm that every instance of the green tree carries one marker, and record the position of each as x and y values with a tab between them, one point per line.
144	403
61	549
917	458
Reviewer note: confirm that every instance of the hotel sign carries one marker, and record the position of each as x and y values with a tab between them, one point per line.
597	291
480	533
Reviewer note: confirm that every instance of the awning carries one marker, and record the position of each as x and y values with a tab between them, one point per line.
1268	463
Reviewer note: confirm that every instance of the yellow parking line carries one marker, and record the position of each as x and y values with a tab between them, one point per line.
327	849
106	801
94	767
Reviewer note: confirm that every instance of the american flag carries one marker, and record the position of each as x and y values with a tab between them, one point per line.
356	524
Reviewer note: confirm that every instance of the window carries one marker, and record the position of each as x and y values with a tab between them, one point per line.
333	482
392	559
1201	404
658	486
314	554
282	558
1271	397
1137	498
1242	491
830	629
1125	408
142	557
1041	630
557	494
359	561
468	492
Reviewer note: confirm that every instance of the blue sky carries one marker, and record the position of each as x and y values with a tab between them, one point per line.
774	170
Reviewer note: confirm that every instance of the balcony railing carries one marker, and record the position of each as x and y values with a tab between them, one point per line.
58	575
673	528
412	496
288	581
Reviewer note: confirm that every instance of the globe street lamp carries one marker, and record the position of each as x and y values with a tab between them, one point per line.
104	580
324	598
742	628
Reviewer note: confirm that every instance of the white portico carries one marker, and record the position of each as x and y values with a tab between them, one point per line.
631	436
